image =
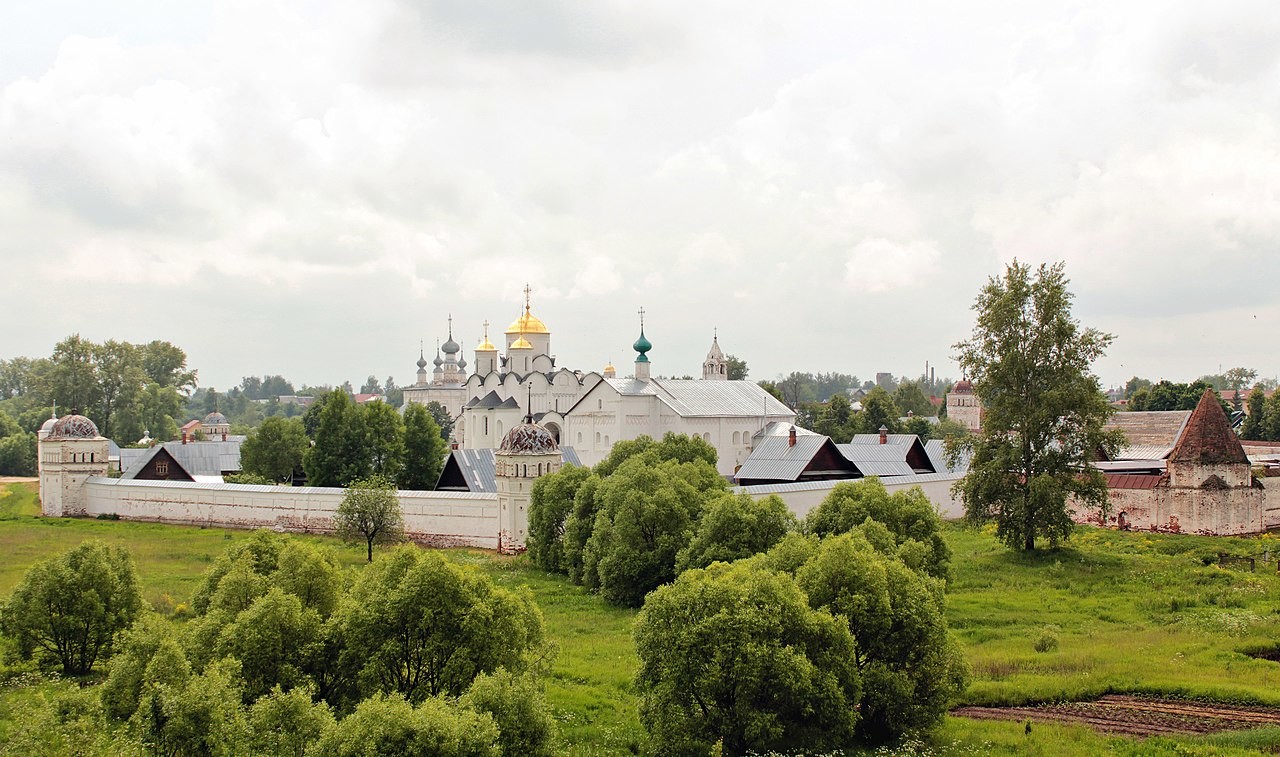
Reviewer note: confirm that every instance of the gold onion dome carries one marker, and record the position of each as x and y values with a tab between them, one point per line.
486	345
521	344
528	324
608	368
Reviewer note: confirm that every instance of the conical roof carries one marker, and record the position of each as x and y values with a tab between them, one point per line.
1208	438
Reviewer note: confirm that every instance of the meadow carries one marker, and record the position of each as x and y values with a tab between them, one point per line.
1110	613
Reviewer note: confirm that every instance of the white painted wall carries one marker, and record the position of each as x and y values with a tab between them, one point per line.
801	498
442	519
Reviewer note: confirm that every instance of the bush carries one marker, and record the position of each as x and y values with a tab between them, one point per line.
1048	640
734	656
519	708
68	609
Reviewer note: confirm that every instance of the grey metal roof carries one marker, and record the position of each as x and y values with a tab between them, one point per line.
891	439
877	453
884	469
1144	452
479	466
775	458
196	458
719	398
936	449
782	429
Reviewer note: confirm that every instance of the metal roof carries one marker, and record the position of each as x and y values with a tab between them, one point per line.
775	459
803	486
1144	452
936	449
479	466
879	453
884	469
782	429
196	458
891	439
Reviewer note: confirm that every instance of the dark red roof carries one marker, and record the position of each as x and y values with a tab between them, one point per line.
1131	480
1208	438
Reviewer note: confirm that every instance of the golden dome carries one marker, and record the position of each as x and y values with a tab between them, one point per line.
521	344
527	324
609	367
486	345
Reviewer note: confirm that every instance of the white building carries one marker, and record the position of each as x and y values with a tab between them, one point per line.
591	410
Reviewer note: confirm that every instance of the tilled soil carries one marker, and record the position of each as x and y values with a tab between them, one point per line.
1136	716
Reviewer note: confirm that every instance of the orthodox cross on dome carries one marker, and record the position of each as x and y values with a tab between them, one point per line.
527	292
641	312
451	325
486	330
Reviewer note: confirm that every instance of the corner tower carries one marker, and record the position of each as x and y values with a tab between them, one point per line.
527	452
71	453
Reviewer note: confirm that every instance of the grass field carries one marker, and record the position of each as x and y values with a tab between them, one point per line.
1113	613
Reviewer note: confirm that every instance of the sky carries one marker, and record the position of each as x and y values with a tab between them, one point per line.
313	188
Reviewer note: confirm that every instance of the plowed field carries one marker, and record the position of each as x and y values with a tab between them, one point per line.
1136	716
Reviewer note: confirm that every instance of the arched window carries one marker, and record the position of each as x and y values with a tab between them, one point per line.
499	428
597	437
706	437
486	425
579	437
737	438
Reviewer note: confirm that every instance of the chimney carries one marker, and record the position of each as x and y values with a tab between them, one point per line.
791	437
884	435
224	436
184	437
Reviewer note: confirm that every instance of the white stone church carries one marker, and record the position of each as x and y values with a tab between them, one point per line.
587	410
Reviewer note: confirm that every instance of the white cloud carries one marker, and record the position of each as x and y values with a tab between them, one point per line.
879	265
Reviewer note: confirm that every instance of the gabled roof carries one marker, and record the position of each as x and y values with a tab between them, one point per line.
937	451
476	469
198	459
878	459
906	448
776	459
1208	438
693	398
779	429
1150	428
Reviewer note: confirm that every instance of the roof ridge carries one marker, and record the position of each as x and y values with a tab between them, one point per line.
1207	437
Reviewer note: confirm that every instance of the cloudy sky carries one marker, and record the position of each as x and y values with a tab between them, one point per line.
310	188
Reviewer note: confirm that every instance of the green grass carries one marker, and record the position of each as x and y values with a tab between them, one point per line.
1135	613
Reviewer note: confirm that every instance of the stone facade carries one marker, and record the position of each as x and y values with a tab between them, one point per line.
964	407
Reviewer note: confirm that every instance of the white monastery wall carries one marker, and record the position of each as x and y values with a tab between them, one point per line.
803	497
442	519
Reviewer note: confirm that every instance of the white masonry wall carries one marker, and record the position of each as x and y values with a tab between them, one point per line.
441	519
803	497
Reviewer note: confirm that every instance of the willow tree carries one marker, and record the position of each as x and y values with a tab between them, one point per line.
1043	410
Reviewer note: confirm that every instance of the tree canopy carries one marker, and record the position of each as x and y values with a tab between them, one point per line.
1043	410
68	609
370	511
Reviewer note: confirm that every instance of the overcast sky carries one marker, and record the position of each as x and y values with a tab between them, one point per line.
310	188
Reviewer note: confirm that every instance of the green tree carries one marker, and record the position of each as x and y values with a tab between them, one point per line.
836	419
878	410
199	716
71	381
421	626
425	450
18	455
391	725
384	439
285	723
910	398
275	639
910	517
734	526
733	655
911	667
578	527
275	450
69	608
136	647
1252	428
442	417
518	707
166	364
647	515
550	505
339	455
737	368
120	380
1044	412
370	510
1271	417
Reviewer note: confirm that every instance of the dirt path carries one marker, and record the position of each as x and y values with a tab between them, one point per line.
1136	716
18	479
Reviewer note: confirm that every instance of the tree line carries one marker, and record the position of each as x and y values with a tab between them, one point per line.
283	653
758	632
337	442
